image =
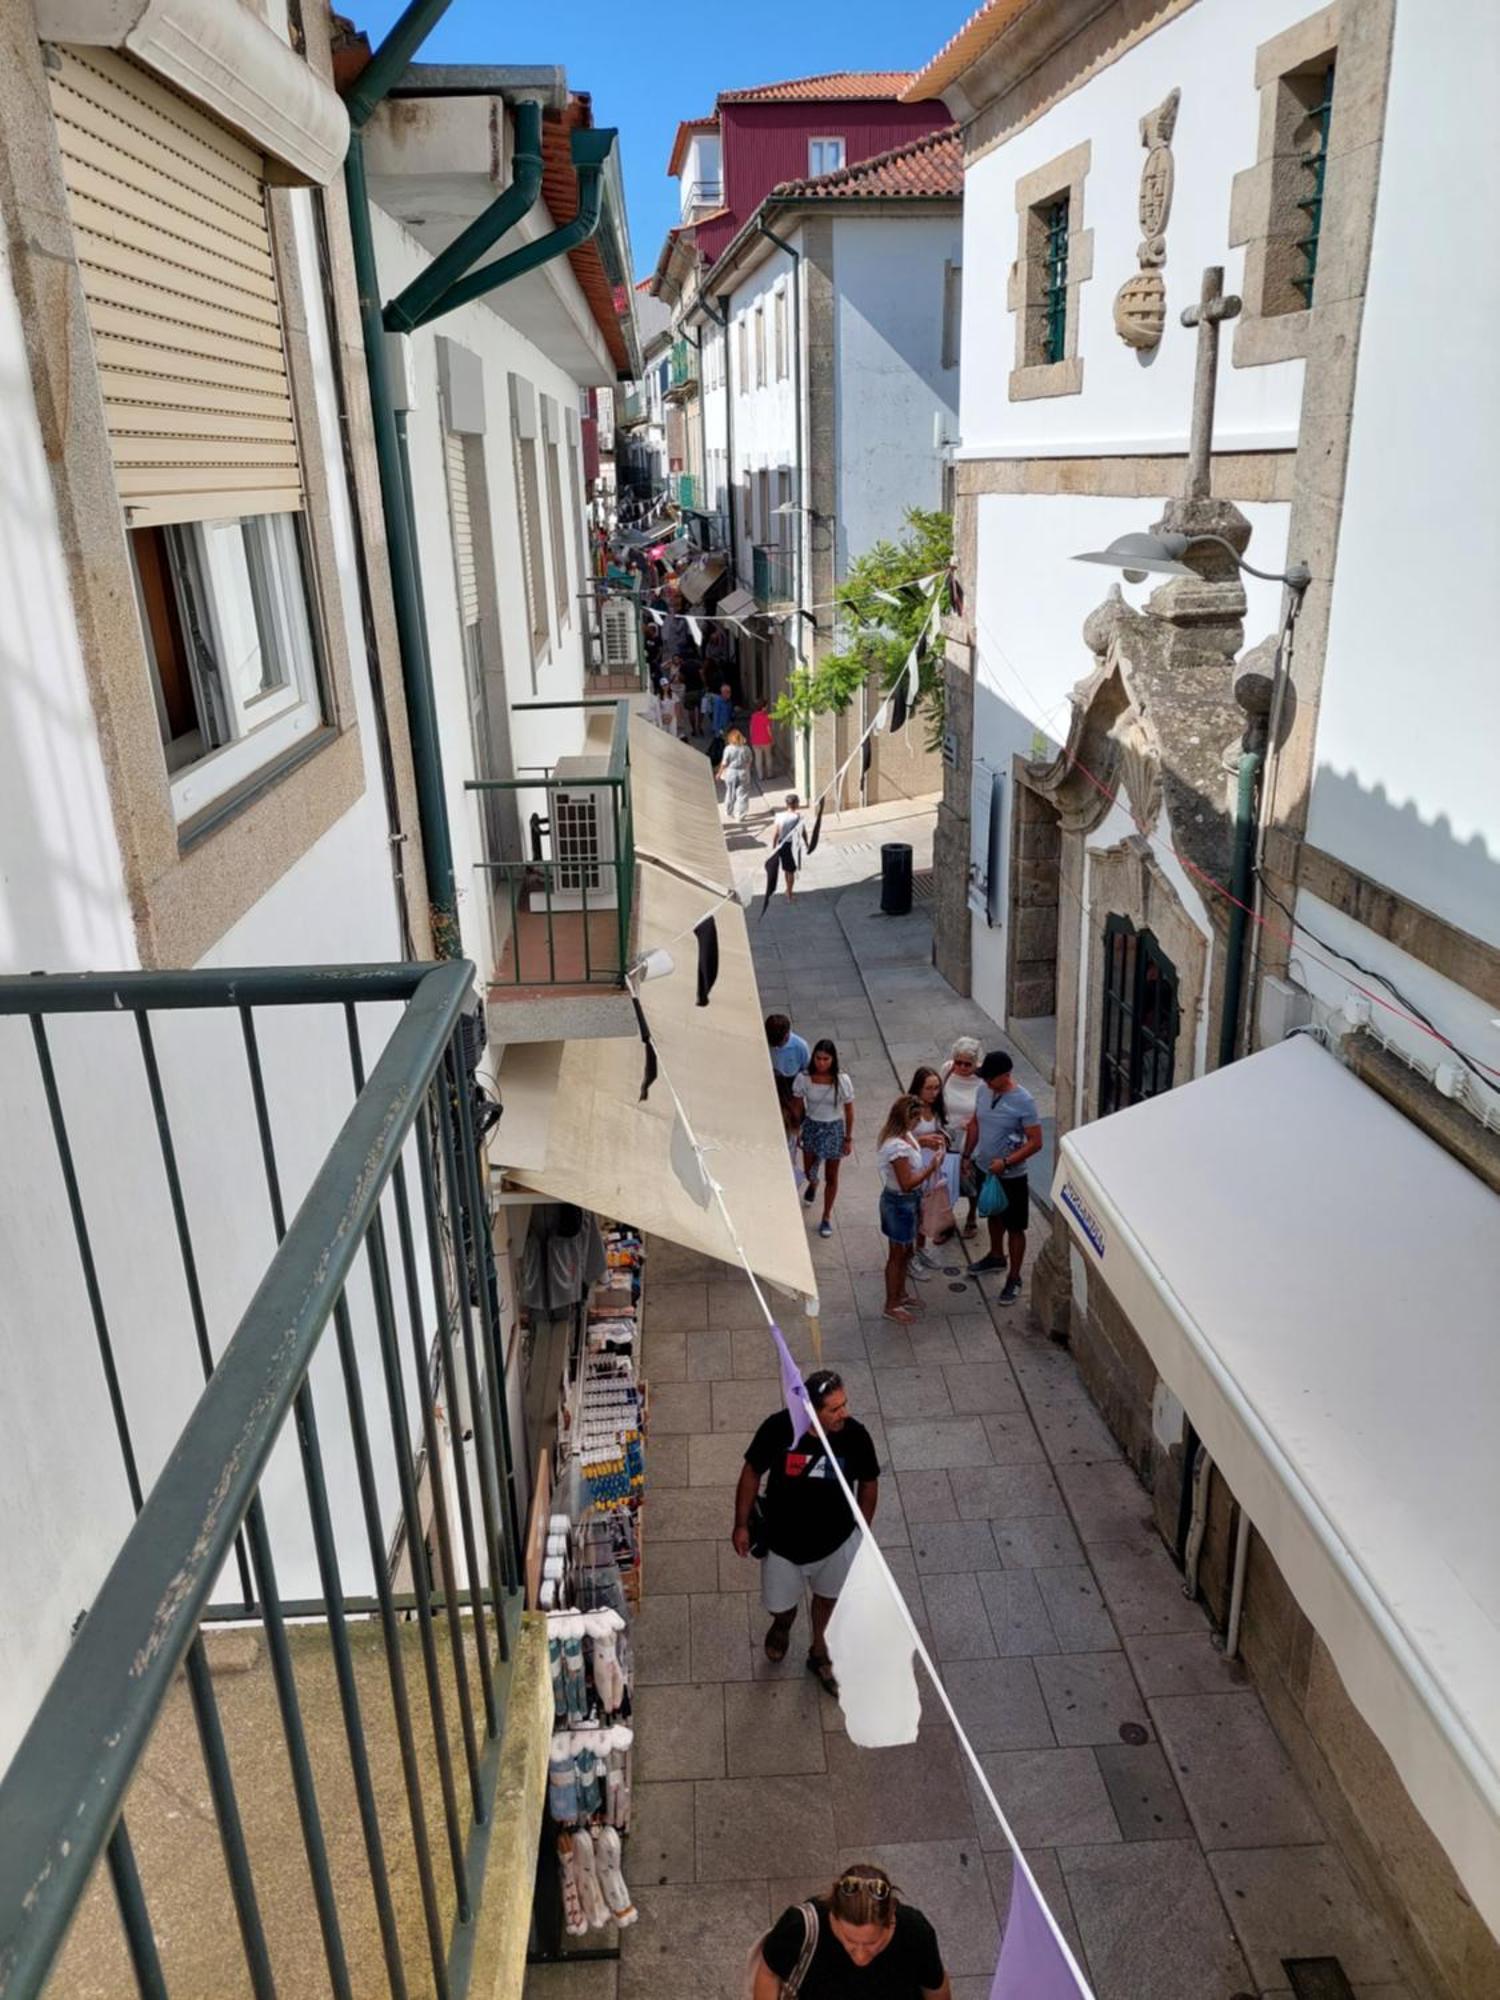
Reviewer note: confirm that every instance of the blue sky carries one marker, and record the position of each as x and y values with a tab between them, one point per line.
649	67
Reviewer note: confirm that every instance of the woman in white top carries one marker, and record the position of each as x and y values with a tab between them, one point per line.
905	1168
786	844
961	1096
931	1132
823	1100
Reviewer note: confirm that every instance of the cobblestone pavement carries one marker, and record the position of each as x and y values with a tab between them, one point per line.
1181	1854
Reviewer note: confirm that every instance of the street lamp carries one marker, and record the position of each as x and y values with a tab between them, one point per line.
1140	556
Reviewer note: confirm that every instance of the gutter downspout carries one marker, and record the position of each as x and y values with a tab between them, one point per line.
796	256
590	151
422	296
1241	876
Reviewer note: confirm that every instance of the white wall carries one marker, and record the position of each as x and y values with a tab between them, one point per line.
557	674
765	419
1407	785
62	1489
890	383
1132	402
1029	609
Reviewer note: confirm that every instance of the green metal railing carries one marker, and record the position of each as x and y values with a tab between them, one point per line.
390	1245
771	574
1055	299
1316	165
584	867
684	488
632	407
683	366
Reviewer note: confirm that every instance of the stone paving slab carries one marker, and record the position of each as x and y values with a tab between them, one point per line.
1239	1787
1151	1922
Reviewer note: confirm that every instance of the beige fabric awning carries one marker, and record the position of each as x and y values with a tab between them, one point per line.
608	1152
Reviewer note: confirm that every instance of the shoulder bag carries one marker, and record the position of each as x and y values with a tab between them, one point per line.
791	1986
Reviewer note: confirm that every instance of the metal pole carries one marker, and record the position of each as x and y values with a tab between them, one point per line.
1240	879
803	516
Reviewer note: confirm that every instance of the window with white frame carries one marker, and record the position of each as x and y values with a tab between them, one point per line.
224	606
523	420
551	421
953	307
824	156
744	355
760	347
778	314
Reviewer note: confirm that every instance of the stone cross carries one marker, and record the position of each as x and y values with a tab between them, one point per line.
1212	307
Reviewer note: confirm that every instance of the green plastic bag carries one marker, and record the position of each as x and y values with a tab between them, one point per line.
991	1197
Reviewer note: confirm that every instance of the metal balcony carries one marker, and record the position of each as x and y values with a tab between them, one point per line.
564	915
682	372
701	194
317	1812
771	578
684	489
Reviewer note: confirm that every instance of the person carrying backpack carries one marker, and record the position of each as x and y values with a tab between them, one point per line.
860	1939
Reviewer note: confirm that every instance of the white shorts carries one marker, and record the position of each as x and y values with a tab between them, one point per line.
782	1581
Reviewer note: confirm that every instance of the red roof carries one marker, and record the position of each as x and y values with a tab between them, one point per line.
983	27
560	192
685	132
835	84
930	167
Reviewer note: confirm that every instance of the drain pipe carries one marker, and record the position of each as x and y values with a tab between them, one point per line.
1237	1586
1241	880
422	297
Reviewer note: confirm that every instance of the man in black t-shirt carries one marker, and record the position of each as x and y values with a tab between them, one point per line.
810	1532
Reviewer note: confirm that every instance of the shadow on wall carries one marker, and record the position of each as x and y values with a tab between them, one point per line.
1421	859
62	900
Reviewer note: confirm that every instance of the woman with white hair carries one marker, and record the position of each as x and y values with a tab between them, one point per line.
960	1074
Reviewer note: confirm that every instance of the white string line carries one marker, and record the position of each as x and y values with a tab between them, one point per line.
730	618
868	1532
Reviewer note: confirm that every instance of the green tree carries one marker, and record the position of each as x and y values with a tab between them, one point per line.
876	634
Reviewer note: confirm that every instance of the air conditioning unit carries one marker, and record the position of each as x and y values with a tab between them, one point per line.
582	816
617	636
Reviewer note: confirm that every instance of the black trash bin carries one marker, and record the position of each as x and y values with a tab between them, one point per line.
895	879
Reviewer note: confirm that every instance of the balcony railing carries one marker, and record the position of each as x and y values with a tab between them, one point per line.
683	369
349	1768
632	407
772	574
563	918
701	194
684	488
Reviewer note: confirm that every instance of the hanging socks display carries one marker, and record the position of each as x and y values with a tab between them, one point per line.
590	1895
611	1880
574	1921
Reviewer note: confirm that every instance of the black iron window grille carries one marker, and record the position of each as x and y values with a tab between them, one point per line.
1140	1020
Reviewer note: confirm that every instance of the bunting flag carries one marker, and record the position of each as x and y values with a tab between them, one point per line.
798	1402
697	631
648	1075
864	755
687	1164
874	1660
817	828
1033	1965
706	931
773	870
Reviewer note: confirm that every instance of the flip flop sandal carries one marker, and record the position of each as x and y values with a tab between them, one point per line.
971	1230
899	1314
821	1668
777	1640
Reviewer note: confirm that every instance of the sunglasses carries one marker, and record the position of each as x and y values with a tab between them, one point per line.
866	1885
822	1383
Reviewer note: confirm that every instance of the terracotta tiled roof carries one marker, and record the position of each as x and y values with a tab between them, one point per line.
836	84
930	167
954	57
686	132
560	192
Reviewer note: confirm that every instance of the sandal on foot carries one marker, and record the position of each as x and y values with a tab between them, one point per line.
821	1668
971	1230
898	1313
777	1640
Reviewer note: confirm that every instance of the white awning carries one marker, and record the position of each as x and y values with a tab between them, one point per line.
1319	1284
584	1136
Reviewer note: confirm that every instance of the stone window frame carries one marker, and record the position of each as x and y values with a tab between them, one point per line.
1126	880
1059	179
1259	221
187	884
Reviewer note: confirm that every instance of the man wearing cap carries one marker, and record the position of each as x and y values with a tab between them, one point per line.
1003	1134
807	1535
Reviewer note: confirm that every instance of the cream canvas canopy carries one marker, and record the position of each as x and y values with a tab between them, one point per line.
573	1112
1250	1225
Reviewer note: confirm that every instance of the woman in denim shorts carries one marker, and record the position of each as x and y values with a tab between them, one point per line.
905	1168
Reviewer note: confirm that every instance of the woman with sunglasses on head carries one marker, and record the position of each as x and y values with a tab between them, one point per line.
960	1074
935	1216
906	1170
859	1939
824	1099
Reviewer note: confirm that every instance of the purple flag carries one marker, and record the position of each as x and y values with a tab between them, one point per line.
1033	1965
798	1406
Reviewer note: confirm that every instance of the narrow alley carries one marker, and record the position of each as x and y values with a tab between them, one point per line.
1159	1813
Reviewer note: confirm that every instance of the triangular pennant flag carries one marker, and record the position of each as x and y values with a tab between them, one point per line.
687	1164
898	707
697	631
793	1389
873	1656
817	828
648	1075
864	758
773	870
658	618
706	931
1033	1965
887	597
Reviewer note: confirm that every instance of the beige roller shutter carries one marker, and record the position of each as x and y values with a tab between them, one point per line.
173	244
463	527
